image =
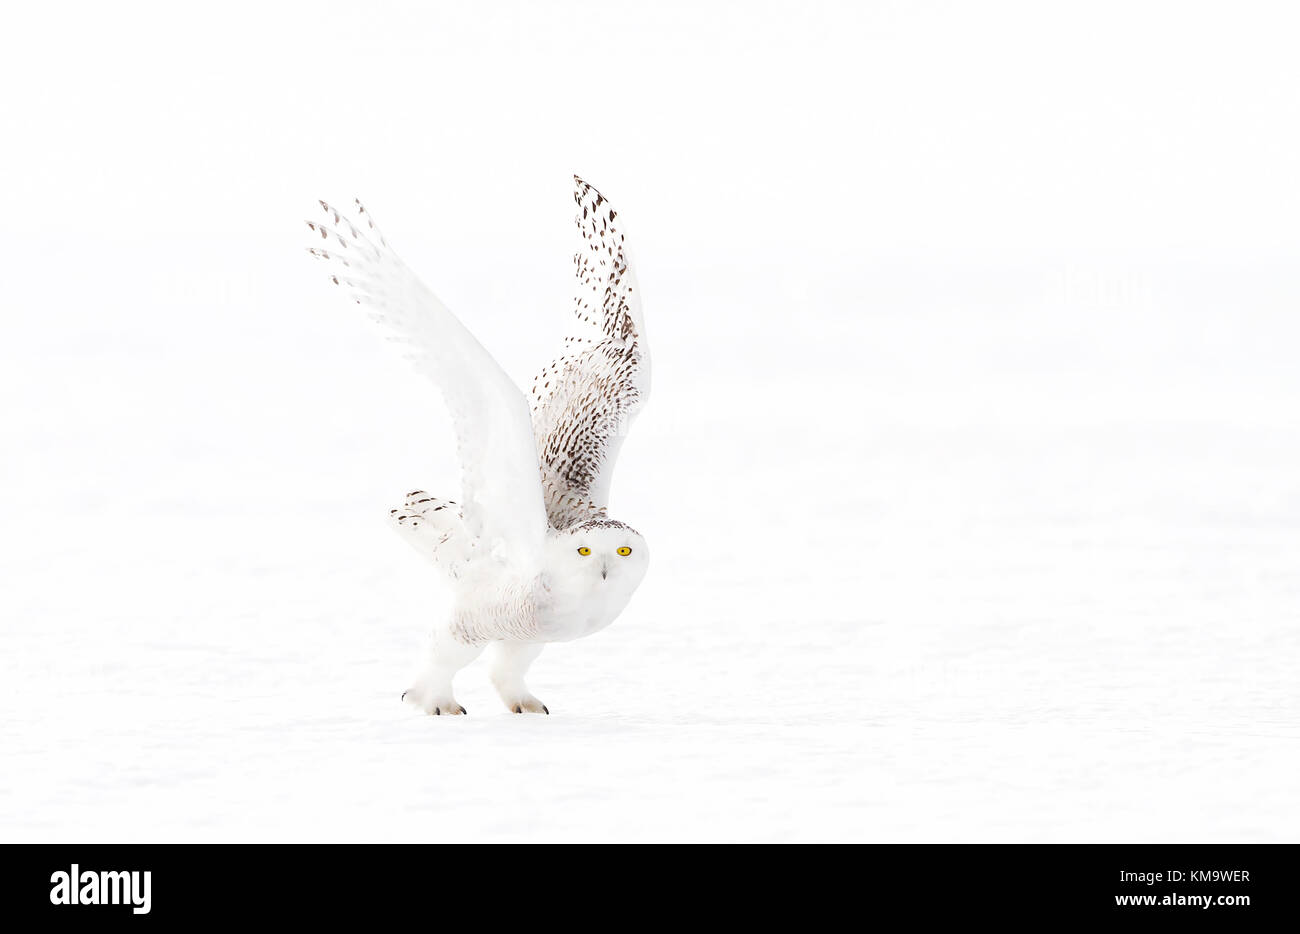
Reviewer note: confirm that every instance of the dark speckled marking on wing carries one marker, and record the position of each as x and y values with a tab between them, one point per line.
584	400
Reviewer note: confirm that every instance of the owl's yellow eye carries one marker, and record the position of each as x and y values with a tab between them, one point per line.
625	551
584	550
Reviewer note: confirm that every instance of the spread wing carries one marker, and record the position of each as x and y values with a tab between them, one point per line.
501	497
584	400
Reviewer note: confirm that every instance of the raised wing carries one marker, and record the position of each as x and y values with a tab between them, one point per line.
501	499
584	401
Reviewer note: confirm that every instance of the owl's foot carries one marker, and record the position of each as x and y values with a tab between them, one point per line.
434	706
525	704
509	665
431	691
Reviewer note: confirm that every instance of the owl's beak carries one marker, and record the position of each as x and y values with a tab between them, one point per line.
604	571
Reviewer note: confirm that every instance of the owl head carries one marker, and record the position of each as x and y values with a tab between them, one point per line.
601	553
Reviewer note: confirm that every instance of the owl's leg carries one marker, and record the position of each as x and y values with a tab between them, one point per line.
432	690
510	661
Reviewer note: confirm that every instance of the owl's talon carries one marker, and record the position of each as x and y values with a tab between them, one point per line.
420	697
527	704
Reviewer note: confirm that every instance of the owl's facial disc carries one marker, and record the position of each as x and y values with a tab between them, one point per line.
609	551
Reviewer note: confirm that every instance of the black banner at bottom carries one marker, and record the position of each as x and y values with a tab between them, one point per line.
105	885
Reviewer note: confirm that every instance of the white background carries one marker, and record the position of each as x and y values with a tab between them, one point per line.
971	471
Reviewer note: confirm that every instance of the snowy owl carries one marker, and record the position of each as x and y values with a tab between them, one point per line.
529	550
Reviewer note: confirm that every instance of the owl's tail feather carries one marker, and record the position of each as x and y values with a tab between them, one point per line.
435	528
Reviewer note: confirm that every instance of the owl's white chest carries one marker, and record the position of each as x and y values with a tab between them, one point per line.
547	608
571	609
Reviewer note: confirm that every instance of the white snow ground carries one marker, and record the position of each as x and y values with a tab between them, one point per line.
957	594
952	540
